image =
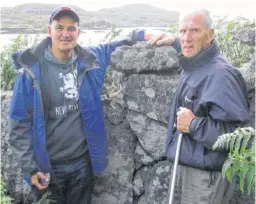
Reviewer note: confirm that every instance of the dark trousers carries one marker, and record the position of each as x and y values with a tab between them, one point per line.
71	183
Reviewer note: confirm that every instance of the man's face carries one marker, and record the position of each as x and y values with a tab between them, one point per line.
194	35
64	34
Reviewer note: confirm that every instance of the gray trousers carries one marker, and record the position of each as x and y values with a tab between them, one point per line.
195	186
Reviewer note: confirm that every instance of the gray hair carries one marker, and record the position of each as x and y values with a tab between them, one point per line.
204	12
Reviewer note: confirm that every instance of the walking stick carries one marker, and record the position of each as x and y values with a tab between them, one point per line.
174	172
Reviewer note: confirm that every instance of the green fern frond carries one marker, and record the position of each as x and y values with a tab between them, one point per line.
227	165
238	141
241	159
228	138
242	174
248	131
250	178
232	142
245	142
253	144
221	141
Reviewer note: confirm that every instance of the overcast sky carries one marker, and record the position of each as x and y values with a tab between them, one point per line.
219	7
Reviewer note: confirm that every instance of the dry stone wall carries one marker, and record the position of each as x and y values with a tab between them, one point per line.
140	86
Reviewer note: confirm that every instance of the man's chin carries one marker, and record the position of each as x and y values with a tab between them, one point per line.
189	54
65	50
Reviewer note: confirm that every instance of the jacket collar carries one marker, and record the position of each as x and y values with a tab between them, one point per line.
205	55
34	55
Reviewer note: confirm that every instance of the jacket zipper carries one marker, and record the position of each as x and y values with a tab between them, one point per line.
36	85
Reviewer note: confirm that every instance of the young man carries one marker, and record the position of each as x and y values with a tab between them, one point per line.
211	100
56	117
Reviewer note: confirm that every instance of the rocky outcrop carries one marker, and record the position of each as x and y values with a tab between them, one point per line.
246	36
143	82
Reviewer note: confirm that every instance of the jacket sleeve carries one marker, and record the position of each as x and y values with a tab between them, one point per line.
20	125
104	50
225	100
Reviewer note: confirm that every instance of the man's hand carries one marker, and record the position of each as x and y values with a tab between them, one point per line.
39	176
184	118
161	39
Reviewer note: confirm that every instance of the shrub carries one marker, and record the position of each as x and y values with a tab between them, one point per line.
236	51
241	157
4	199
8	72
112	34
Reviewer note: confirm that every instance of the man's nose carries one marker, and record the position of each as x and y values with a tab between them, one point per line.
187	36
65	32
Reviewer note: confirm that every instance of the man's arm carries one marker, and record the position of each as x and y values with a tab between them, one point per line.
20	130
105	50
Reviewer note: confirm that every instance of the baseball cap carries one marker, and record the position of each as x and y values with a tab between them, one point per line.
65	10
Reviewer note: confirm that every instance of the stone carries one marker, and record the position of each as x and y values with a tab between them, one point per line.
141	156
145	58
115	184
157	189
150	133
151	94
246	36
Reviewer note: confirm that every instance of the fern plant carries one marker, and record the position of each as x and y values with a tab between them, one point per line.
241	157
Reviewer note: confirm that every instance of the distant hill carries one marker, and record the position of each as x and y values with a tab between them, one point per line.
33	18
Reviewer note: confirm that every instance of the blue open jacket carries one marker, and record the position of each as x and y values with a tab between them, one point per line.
27	120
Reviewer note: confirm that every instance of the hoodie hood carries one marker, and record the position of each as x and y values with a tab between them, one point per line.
51	59
33	55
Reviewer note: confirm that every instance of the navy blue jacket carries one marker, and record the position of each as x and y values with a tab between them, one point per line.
216	93
27	120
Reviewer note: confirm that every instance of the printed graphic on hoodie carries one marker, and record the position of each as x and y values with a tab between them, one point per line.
70	91
70	85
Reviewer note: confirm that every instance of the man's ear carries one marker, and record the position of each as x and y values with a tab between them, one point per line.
49	29
210	35
79	31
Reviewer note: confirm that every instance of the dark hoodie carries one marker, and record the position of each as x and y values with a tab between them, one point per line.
65	137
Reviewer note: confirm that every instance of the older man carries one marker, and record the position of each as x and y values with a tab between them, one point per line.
211	100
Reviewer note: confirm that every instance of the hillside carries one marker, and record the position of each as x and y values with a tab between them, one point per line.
33	18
